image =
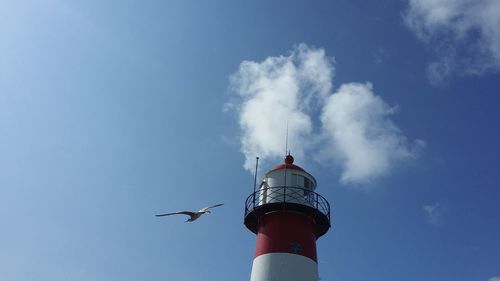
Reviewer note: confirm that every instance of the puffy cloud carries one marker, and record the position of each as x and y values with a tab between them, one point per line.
278	91
362	135
350	129
464	33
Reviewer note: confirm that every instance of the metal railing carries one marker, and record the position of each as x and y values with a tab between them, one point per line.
287	195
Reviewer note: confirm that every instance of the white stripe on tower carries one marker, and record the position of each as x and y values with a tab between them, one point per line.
283	267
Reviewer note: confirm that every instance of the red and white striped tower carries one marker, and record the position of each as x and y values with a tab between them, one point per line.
287	216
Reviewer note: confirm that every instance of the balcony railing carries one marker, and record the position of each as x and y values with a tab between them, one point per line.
286	196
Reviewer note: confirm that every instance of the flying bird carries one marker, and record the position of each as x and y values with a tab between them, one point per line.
192	215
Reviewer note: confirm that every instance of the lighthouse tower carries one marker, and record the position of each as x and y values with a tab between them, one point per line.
287	216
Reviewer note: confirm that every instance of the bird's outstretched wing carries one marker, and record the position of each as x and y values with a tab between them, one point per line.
189	213
209	207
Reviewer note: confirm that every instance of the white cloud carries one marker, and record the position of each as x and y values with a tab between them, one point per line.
497	278
464	34
434	213
362	135
356	133
276	91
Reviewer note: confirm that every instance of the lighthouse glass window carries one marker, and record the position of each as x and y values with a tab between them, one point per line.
294	180
307	186
308	195
307	183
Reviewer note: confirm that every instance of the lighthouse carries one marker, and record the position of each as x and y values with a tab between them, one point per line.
288	217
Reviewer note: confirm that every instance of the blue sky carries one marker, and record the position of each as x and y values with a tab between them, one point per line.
112	112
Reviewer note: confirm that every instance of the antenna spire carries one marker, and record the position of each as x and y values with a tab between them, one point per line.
255	176
286	142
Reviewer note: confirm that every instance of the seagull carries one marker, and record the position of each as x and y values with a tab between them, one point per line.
192	215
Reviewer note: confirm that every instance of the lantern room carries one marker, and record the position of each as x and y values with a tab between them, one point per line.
287	183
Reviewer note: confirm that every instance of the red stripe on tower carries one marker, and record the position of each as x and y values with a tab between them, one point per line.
286	232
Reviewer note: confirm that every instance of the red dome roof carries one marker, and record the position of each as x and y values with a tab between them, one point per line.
288	165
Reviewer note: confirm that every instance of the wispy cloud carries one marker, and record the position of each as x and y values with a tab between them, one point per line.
434	213
350	128
496	278
463	33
